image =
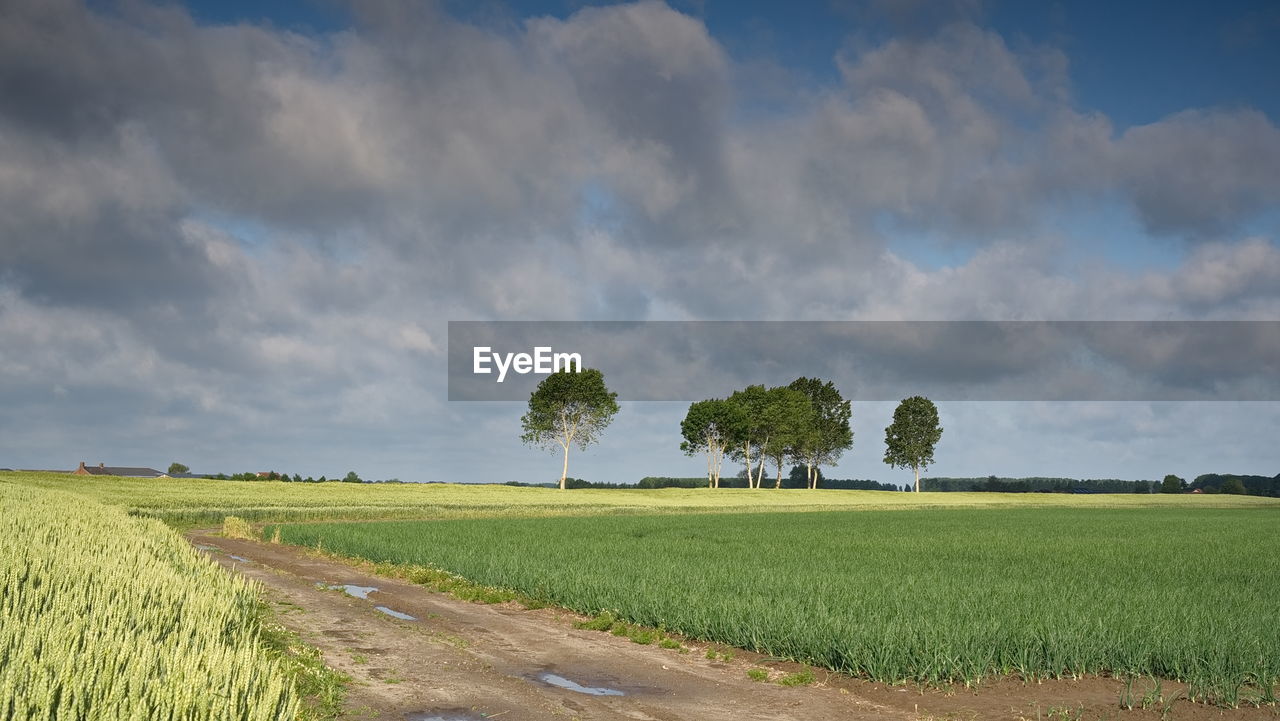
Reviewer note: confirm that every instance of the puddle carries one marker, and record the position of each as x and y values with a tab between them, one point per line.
396	614
361	592
241	559
444	715
564	683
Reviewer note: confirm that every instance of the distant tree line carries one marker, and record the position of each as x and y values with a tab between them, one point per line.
1207	483
351	477
1038	484
1242	485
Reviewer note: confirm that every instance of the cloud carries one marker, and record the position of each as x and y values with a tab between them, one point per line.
1200	172
261	233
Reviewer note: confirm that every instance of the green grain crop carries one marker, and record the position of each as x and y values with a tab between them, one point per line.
931	595
105	616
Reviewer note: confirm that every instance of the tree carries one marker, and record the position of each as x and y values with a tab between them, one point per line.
751	401
786	420
711	427
1172	484
351	477
1234	486
829	434
910	439
568	408
804	477
176	467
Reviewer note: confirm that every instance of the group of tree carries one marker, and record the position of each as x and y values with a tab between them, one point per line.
798	477
805	423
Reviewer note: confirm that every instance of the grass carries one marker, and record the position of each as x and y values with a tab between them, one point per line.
104	616
322	688
187	503
799	678
933	596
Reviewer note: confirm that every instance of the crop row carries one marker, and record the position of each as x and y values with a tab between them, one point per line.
948	595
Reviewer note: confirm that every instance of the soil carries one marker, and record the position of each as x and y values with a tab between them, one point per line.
459	661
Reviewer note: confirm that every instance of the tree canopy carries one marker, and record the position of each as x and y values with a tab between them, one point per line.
828	435
910	439
566	409
749	444
711	427
806	422
787	423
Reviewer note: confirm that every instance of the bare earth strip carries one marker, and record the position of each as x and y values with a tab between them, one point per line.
461	660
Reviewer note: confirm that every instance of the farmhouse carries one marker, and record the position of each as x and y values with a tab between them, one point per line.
105	470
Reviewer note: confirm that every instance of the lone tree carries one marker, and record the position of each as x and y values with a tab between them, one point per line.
910	439
712	427
568	408
829	434
176	467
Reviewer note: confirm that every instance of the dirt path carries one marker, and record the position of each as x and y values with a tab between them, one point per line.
457	661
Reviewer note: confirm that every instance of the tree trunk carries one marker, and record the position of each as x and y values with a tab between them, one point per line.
565	471
760	468
719	460
747	446
917	469
778	483
812	477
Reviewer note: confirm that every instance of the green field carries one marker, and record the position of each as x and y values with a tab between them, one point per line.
191	502
893	586
104	616
930	595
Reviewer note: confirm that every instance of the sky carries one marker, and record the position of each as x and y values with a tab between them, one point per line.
232	234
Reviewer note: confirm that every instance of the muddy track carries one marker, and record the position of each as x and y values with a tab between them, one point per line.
457	660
